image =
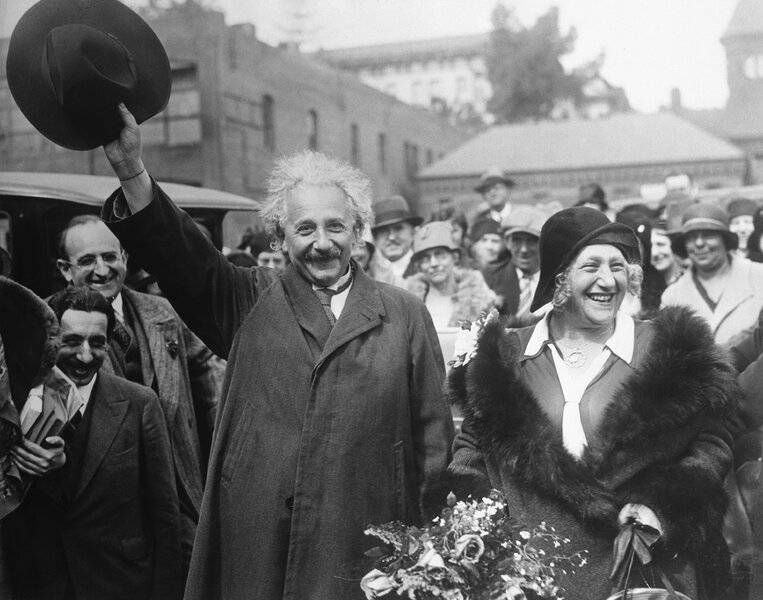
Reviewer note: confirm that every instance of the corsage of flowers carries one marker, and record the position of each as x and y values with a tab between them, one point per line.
472	551
467	337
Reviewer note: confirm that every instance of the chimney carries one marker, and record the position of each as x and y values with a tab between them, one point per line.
675	100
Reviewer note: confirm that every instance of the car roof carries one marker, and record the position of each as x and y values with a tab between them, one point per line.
94	189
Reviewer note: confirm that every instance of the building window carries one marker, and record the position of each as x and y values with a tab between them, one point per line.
753	67
411	160
268	123
312	129
355	144
382	154
430	156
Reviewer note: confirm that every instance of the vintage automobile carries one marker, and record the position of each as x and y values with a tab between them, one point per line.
34	207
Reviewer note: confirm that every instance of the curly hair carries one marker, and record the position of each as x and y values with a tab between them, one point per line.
316	169
563	289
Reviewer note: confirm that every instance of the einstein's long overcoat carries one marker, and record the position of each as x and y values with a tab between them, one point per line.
664	442
320	431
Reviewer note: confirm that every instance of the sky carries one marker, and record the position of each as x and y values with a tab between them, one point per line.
651	46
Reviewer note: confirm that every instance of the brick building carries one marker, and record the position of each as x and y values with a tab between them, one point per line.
238	103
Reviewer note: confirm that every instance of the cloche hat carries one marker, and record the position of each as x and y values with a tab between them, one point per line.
70	62
704	216
436	234
569	231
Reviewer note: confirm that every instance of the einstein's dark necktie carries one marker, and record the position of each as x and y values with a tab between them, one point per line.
326	294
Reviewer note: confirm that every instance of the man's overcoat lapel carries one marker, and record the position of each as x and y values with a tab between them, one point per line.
109	410
160	328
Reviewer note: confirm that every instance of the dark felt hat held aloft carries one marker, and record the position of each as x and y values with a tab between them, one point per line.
566	233
70	62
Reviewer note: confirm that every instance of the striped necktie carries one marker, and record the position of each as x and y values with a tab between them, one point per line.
326	294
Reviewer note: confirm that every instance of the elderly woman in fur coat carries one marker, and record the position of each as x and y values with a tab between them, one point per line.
589	418
451	293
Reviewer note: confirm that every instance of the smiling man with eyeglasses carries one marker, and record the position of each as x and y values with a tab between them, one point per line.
151	346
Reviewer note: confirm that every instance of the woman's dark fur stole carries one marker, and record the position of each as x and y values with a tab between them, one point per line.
683	395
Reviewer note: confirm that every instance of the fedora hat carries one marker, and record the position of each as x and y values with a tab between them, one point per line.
492	176
393	210
566	233
703	216
436	234
70	62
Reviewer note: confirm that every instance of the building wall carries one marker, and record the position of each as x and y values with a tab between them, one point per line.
459	81
212	133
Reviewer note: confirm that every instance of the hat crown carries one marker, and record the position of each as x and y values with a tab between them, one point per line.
436	234
390	204
89	71
525	218
704	212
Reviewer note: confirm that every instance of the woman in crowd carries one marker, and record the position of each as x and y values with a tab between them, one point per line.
451	294
589	418
458	228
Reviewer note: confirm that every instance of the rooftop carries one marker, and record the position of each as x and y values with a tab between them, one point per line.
615	141
746	20
381	54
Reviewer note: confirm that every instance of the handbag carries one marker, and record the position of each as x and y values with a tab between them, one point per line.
635	540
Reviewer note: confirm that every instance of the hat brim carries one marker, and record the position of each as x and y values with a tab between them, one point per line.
417	255
545	290
415	221
491	181
528	230
32	92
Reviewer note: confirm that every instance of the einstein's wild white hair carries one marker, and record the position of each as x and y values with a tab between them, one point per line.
309	168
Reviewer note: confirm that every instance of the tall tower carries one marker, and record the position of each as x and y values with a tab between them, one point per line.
743	41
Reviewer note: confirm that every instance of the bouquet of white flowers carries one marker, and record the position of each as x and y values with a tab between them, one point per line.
472	551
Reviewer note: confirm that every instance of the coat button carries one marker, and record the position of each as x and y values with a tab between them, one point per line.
289	502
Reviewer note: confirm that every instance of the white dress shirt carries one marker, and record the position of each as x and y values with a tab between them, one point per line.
575	381
338	300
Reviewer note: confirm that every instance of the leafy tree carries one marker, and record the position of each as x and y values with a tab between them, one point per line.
524	66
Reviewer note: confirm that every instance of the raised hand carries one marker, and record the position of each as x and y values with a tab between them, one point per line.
125	153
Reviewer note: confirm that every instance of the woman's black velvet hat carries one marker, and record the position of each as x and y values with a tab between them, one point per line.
566	233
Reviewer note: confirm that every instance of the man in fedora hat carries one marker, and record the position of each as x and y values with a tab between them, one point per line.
332	415
393	229
727	291
521	232
495	186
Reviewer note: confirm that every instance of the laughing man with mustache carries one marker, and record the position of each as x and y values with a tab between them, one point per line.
331	416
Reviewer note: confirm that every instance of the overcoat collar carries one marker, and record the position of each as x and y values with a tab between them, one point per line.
739	290
363	310
160	328
682	379
109	410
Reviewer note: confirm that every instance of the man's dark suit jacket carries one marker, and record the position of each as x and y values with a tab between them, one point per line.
112	531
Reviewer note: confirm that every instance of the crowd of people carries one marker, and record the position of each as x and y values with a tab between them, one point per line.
216	426
233	438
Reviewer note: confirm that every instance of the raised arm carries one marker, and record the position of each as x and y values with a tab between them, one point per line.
211	295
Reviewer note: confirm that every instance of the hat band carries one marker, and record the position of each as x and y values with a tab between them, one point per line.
393	216
700	223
